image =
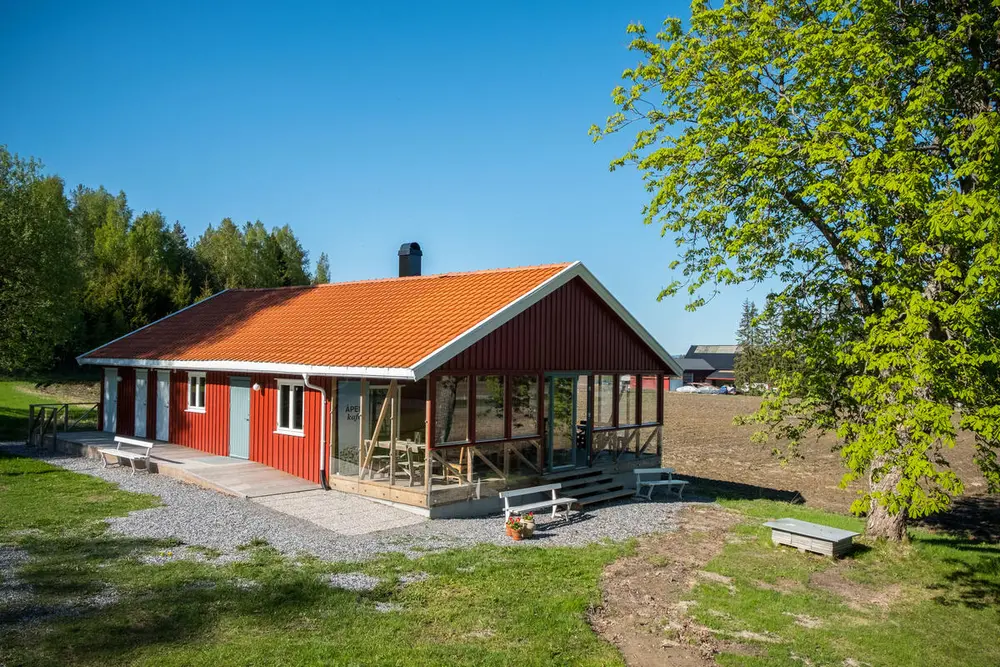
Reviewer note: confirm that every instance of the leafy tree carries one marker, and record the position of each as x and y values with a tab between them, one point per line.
322	270
852	148
39	274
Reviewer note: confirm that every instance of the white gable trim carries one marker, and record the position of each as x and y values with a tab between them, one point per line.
487	326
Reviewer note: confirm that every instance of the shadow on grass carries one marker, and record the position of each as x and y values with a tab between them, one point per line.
976	516
716	489
94	596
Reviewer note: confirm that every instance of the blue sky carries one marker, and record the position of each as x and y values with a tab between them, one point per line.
460	125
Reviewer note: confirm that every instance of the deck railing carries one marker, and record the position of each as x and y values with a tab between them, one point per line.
48	419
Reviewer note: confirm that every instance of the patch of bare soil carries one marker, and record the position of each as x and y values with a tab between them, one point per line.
856	596
646	595
702	443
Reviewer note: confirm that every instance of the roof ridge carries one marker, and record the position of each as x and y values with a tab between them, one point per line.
365	281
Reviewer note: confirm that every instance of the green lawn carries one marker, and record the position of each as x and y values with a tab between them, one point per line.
17	395
482	606
934	601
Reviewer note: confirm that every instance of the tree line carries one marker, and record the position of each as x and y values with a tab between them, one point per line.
81	268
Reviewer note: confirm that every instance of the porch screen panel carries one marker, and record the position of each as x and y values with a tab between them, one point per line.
451	410
604	396
489	407
627	403
648	397
524	405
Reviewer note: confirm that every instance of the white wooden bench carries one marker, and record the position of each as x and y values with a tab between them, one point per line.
120	454
555	502
669	483
805	536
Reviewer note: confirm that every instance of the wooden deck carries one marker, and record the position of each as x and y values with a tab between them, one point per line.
246	479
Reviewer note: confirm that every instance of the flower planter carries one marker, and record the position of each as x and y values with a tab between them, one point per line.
529	529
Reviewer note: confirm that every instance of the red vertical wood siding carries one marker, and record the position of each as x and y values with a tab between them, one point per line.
205	431
569	330
297	455
126	402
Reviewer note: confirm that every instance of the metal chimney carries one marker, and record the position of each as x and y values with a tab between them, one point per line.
409	259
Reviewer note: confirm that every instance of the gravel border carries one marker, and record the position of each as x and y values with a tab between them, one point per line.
198	516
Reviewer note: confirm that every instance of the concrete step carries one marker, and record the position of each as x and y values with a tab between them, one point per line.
574	484
599	486
579	473
604	497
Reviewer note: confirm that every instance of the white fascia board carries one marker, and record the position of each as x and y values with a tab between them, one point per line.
81	361
515	308
258	367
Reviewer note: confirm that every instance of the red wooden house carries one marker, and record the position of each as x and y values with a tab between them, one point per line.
423	390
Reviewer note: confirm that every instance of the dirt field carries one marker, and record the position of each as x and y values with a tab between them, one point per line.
701	441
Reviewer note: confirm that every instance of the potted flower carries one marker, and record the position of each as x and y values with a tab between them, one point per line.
515	528
528	520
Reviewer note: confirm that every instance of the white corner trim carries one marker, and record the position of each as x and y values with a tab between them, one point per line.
515	308
257	367
81	361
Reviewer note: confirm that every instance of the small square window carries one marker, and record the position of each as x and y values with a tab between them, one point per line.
291	407
196	392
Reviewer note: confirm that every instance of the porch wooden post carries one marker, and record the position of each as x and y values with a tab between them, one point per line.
638	398
471	426
362	423
542	411
429	437
659	417
508	421
615	392
393	425
590	420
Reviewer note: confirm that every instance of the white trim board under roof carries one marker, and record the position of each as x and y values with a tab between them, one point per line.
430	362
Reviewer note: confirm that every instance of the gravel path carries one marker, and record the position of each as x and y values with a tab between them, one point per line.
197	516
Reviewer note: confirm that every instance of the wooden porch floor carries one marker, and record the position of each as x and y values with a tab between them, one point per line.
246	479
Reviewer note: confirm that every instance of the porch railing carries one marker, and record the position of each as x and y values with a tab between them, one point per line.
49	419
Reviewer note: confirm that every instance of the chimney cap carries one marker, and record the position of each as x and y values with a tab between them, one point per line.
412	248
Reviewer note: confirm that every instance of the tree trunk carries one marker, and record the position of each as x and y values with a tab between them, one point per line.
881	522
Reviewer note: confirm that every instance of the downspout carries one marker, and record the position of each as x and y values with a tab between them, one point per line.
322	430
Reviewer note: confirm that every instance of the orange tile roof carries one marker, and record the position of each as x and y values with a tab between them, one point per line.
390	323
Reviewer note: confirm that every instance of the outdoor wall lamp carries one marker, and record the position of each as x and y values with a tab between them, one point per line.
256	386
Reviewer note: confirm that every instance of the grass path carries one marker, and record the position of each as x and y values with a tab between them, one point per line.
73	594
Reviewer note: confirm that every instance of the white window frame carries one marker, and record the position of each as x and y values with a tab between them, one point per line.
194	376
291	384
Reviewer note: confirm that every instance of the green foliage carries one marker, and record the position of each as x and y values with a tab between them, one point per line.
322	270
80	272
852	149
39	274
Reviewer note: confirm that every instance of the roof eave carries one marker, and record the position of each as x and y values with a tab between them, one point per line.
255	367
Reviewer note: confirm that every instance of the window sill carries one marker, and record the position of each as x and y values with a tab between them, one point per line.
288	431
200	411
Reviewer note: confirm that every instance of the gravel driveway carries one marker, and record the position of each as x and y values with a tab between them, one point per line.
197	516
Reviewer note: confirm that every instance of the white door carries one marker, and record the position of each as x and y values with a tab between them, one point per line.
140	403
163	405
110	399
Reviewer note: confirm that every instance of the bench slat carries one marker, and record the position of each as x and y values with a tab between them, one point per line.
654	471
542	503
531	489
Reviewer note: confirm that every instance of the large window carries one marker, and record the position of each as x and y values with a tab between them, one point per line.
196	392
627	403
524	405
291	406
650	390
604	397
489	407
451	418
